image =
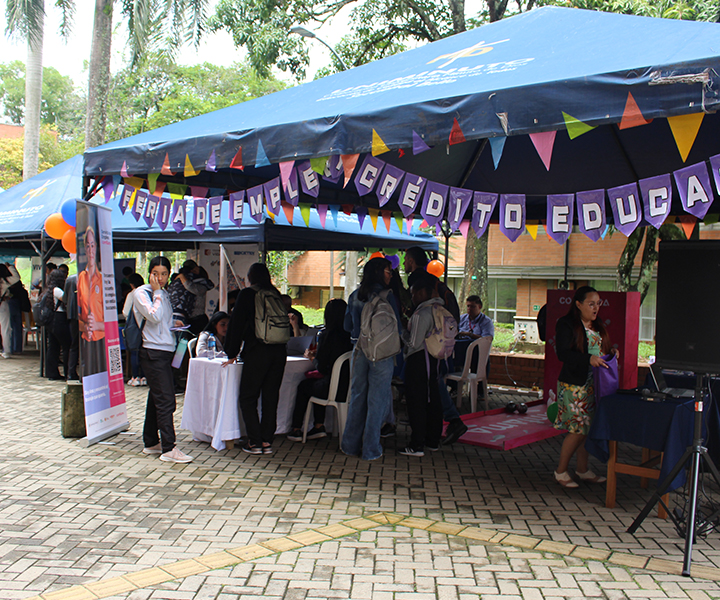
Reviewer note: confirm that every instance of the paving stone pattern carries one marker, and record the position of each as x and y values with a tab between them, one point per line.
76	522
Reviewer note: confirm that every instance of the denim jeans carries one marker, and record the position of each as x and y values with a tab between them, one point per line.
16	325
369	400
449	409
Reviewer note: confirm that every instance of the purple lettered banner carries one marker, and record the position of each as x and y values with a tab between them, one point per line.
213	212
139	207
458	202
483	207
179	214
434	200
151	208
237	200
512	215
591	213
255	202
309	179
124	201
200	214
560	215
696	194
333	169
625	206
163	212
273	195
410	192
387	184
292	192
656	198
368	175
715	167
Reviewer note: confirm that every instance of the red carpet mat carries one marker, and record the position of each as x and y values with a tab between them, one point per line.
502	431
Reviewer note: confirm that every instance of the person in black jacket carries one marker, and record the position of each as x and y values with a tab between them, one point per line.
333	342
263	364
581	340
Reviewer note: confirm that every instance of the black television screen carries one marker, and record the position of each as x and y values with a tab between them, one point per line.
688	306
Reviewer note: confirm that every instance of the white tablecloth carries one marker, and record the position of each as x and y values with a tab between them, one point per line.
211	410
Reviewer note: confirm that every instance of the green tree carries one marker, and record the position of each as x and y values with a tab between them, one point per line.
61	106
50	154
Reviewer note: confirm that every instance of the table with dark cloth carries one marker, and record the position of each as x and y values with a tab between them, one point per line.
665	426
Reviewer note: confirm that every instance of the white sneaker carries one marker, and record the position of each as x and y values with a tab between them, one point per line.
134	382
6	355
142	381
565	480
156	449
176	455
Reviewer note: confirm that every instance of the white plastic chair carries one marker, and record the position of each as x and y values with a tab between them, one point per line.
341	407
467	376
191	347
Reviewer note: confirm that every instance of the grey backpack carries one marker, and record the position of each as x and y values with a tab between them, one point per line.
379	337
272	324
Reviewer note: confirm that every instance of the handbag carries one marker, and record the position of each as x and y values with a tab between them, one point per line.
43	312
606	380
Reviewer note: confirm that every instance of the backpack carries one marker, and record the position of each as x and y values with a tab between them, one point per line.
440	343
44	311
132	332
379	338
272	324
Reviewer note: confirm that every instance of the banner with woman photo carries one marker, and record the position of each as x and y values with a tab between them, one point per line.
100	354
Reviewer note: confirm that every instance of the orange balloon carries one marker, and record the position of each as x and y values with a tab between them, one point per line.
435	267
55	226
69	241
377	254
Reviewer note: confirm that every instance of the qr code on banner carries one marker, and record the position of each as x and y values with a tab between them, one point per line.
116	367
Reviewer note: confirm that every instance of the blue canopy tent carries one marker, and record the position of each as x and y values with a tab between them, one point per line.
522	75
24	208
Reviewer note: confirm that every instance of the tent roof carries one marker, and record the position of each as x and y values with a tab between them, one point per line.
530	68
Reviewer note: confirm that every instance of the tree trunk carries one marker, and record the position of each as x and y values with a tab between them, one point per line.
99	74
457	10
627	260
476	269
33	99
351	273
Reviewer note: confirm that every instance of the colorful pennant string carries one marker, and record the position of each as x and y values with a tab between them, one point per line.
543	143
632	116
189	169
685	129
378	146
165	170
419	145
261	159
456	134
575	127
236	162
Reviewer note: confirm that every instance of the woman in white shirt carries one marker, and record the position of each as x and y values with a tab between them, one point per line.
156	357
218	327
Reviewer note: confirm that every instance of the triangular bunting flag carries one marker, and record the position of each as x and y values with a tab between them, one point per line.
687	222
159	188
322	213
543	143
464	227
152	181
334	214
166	166
318	164
456	134
261	160
236	162
401	152
189	170
123	170
198	191
289	210
361	214
177	190
211	164
378	146
632	117
497	144
685	129
349	161
710	219
419	145
399	222
424	224
285	170
374	217
347	209
409	223
387	218
305	213
575	127
108	186
532	230
136	182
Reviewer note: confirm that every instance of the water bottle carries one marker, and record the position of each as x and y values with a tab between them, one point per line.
211	346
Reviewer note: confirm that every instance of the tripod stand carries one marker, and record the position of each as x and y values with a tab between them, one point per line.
692	456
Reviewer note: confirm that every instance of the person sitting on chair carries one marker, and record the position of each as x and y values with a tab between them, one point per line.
333	342
474	324
218	327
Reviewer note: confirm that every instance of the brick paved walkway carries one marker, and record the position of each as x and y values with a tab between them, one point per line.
110	522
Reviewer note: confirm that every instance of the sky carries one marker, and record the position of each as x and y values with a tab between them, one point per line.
71	57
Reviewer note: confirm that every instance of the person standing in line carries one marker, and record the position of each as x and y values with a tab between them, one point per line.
581	340
152	303
71	306
371	394
57	330
263	363
7	279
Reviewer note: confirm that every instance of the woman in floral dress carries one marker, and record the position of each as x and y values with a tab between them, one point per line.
581	340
